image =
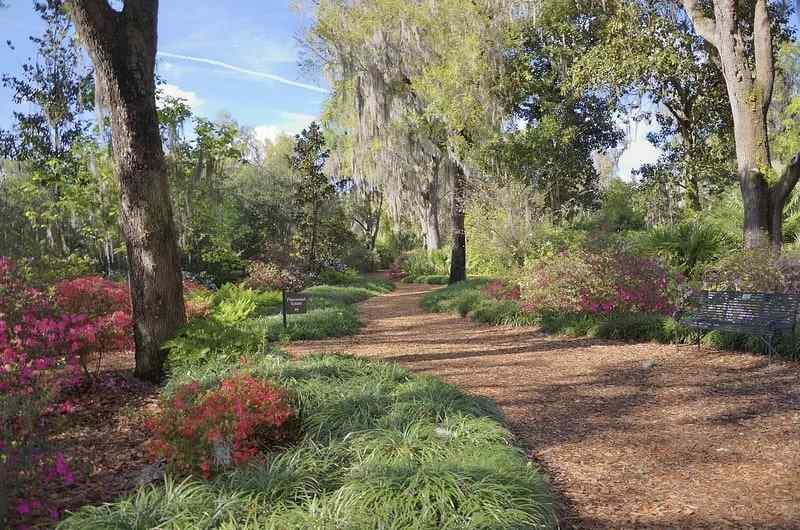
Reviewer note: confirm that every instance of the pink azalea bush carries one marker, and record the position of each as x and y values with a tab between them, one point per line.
598	283
45	341
266	276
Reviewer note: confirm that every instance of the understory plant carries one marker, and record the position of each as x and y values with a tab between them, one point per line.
599	283
379	448
205	430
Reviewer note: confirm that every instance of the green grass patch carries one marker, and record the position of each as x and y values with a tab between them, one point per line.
244	321
432	279
381	448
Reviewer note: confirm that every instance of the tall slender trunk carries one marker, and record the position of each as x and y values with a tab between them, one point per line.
122	46
458	257
377	228
430	213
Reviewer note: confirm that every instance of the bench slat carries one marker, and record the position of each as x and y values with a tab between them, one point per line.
755	313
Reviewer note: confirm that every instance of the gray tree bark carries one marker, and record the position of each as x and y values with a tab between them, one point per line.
749	79
122	46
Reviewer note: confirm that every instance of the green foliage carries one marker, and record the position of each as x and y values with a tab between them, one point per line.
753	270
618	212
688	246
382	449
421	262
447	298
243	321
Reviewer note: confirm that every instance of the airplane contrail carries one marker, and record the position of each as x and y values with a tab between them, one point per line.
235	68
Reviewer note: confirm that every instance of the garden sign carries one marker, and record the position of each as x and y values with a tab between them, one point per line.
294	304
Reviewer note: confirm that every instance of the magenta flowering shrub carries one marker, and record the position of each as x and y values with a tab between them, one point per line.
598	283
45	341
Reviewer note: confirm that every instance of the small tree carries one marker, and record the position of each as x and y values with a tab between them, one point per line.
314	192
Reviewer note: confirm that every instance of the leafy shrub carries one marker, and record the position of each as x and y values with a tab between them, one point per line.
45	270
688	246
35	338
465	302
422	262
492	311
431	279
265	276
635	327
598	283
204	340
754	270
234	303
500	290
381	448
446	299
106	303
205	431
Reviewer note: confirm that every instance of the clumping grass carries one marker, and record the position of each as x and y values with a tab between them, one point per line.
432	279
466	299
381	448
446	299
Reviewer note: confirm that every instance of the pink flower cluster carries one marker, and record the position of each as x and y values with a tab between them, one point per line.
45	340
599	283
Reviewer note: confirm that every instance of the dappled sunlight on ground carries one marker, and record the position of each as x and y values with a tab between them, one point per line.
634	435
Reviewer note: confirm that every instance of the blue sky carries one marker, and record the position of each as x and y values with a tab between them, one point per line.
256	37
221	57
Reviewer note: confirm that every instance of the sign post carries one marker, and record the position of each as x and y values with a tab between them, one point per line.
295	304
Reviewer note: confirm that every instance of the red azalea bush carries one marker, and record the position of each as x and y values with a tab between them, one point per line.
202	431
106	304
600	283
499	290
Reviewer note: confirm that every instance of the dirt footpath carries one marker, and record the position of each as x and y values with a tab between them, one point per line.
634	436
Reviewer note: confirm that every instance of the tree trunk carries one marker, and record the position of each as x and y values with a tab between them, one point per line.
749	74
753	160
122	46
458	257
430	214
374	236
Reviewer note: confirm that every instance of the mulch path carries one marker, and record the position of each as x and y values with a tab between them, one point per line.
633	435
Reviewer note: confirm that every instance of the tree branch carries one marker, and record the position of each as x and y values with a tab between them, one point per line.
95	21
788	180
762	42
703	25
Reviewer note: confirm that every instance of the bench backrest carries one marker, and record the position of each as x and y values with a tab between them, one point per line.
777	310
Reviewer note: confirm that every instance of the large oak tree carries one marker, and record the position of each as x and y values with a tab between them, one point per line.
122	46
741	33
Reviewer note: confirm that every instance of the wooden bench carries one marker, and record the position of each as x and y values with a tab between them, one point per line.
763	315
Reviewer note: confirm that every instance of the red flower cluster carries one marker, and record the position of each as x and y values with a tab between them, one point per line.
201	431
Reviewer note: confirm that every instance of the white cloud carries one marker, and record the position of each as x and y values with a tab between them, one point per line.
291	123
191	98
246	71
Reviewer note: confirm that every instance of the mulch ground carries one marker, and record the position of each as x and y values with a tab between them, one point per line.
634	436
101	435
